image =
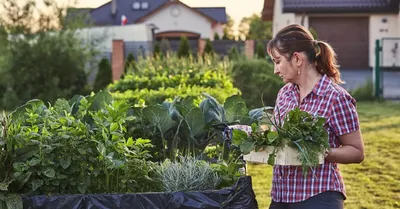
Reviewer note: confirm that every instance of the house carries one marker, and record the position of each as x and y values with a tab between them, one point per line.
350	26
170	18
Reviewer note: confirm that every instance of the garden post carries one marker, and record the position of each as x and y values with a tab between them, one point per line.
377	70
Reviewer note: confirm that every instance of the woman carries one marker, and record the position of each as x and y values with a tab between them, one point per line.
309	69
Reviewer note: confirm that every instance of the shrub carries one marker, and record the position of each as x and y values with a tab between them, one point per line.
157	49
189	174
255	79
157	80
208	49
233	53
364	92
184	48
260	52
45	66
104	75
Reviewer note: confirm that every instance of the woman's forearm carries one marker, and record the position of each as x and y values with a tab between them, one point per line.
345	154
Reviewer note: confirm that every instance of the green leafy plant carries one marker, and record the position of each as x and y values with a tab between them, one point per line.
184	48
299	130
104	75
187	174
208	49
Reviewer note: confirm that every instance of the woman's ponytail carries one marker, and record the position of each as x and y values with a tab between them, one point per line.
326	61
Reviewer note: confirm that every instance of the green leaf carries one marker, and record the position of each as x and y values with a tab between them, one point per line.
36	184
19	113
82	188
247	147
272	136
20	166
65	162
256	114
238	137
100	100
236	110
24	153
196	122
271	159
4	186
212	110
49	172
62	105
159	117
114	127
14	201
34	162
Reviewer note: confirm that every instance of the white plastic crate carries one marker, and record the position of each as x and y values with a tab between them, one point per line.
285	156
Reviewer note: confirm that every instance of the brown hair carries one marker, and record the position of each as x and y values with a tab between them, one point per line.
296	38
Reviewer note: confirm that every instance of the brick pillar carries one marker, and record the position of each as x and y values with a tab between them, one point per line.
118	59
201	45
249	48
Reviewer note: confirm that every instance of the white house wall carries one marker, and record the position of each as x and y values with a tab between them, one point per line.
186	21
378	30
280	20
105	35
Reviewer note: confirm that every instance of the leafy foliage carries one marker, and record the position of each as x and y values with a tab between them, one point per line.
76	146
157	80
189	174
254	28
299	129
260	51
208	49
157	49
104	75
257	82
184	48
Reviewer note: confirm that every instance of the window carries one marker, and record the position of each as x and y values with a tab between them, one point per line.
136	5
145	5
140	5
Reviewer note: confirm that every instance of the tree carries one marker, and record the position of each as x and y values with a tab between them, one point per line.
208	49
184	48
41	60
104	75
157	49
260	51
216	37
32	16
253	28
228	29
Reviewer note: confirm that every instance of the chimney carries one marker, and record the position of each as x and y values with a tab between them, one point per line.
113	7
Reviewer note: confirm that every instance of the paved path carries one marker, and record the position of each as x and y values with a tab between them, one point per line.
390	80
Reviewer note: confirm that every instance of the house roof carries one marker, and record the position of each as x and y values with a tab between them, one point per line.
217	13
151	13
102	15
340	6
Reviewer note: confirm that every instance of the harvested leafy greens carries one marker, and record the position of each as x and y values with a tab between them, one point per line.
299	130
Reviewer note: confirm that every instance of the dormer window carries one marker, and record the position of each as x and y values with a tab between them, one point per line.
140	5
136	5
145	5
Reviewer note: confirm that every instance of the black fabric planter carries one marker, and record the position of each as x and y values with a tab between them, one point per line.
239	196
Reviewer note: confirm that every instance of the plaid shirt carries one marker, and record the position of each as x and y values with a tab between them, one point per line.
328	100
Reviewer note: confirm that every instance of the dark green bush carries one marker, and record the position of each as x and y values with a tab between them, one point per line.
104	75
257	82
364	92
184	48
260	52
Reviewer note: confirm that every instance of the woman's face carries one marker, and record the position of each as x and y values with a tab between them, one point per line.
284	67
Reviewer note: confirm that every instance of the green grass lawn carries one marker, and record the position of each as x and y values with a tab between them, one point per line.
375	183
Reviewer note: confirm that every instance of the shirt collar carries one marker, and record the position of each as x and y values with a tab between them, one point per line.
319	89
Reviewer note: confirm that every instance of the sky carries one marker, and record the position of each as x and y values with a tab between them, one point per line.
237	9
